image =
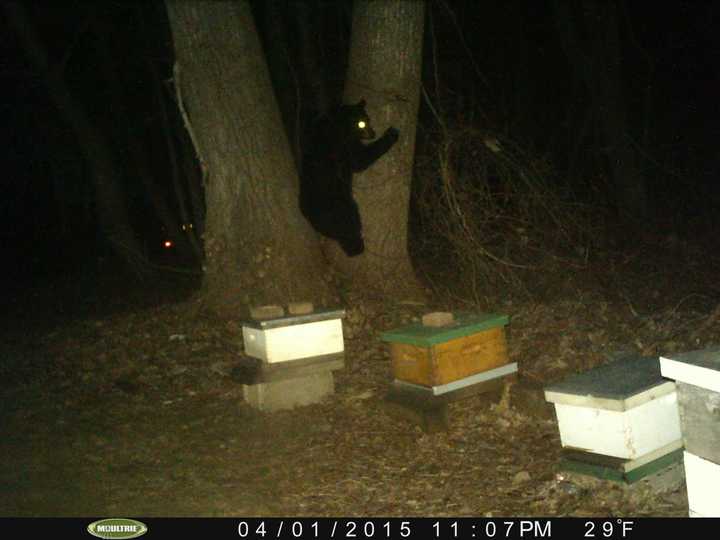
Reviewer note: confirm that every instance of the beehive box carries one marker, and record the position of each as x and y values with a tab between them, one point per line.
294	337
623	409
697	374
702	478
437	356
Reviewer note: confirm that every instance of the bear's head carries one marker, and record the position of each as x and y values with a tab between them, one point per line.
359	121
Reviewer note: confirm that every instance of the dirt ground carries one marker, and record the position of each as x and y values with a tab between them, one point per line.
122	403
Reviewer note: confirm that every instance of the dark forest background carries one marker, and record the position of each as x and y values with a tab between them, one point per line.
521	73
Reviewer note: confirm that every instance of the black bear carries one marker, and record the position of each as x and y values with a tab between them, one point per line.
336	151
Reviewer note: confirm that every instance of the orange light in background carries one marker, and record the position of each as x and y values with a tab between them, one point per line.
167	244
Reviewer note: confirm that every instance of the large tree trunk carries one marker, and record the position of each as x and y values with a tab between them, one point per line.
599	65
282	74
629	182
315	97
385	70
258	247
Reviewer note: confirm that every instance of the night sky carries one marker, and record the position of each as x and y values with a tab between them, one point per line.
489	53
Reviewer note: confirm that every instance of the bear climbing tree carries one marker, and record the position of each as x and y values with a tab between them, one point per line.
336	151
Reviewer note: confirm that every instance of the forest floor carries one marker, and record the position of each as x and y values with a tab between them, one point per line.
119	401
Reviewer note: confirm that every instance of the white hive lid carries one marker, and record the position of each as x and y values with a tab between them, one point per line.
699	368
618	386
316	316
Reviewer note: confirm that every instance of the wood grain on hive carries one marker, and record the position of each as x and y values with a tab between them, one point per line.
436	356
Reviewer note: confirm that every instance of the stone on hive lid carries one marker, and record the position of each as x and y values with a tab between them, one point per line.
438	319
266	312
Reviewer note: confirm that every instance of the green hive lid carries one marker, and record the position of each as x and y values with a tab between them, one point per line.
465	324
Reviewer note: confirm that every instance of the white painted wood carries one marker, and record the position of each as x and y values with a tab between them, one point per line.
613	404
701	368
633	464
284	343
626	434
703	486
617	386
483	376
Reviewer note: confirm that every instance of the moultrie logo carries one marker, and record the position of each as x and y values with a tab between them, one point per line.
117	528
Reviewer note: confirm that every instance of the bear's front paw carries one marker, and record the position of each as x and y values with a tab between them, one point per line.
392	134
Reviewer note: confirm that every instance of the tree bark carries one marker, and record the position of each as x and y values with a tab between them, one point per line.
385	70
282	75
316	93
599	66
258	247
629	183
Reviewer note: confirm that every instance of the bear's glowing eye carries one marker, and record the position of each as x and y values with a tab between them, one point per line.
361	124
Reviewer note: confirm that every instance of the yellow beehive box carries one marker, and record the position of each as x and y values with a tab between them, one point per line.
436	356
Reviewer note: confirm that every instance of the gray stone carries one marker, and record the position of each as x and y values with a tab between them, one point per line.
266	312
289	393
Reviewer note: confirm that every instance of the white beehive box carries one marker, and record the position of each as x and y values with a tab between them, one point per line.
624	409
295	337
703	486
699	368
698	385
